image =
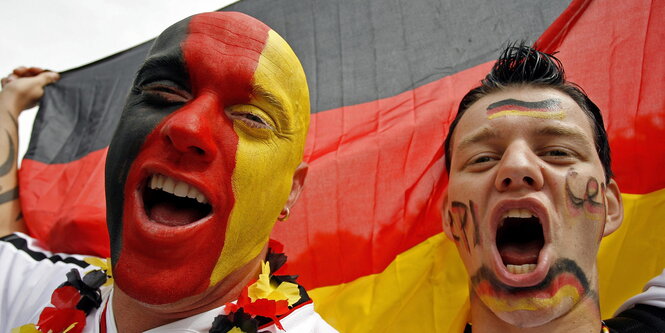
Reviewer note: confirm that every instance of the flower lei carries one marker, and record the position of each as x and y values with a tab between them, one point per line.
261	302
264	300
72	301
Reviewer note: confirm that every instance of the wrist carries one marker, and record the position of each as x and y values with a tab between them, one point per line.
10	103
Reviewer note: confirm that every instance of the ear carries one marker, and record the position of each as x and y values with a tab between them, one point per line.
614	208
298	182
444	215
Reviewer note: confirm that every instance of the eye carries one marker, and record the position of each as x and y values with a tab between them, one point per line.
164	92
558	155
482	159
250	119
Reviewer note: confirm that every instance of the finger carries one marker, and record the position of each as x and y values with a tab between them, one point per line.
48	77
20	70
9	78
33	71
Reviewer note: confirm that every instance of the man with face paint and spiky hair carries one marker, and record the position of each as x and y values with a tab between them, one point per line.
529	198
207	156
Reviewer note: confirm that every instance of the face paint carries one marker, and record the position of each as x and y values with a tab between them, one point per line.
458	218
565	282
546	109
265	157
586	203
526	228
199	102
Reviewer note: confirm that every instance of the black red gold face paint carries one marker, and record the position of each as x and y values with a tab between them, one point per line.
565	280
546	109
218	113
174	125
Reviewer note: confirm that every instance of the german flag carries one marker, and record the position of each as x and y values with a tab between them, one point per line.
386	78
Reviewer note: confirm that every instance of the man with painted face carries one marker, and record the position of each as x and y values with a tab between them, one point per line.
529	198
207	156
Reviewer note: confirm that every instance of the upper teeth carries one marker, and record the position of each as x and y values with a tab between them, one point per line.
518	212
176	187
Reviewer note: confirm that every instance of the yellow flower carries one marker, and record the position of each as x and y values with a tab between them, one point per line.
104	265
264	288
233	330
29	328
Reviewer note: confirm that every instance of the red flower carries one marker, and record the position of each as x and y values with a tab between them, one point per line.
59	320
65	314
268	308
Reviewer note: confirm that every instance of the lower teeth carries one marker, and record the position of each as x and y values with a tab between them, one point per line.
521	269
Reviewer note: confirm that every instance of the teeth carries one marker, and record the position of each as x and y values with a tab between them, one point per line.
521	269
518	212
176	187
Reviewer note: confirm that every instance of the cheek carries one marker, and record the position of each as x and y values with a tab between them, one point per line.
261	182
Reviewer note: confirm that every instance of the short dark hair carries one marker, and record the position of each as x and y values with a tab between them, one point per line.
523	65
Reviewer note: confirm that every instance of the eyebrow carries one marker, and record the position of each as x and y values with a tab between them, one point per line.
483	134
170	65
574	134
487	133
268	97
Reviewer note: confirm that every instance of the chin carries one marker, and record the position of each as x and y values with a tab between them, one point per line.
538	317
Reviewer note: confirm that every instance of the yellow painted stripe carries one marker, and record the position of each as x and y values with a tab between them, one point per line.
425	288
533	114
532	303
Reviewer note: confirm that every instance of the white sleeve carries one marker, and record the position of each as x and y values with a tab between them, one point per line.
654	294
28	276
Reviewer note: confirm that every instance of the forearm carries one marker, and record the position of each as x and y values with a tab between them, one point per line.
11	219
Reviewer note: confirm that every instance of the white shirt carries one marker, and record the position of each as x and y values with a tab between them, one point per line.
654	294
29	275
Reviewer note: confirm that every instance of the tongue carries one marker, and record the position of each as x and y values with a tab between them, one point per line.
173	215
520	254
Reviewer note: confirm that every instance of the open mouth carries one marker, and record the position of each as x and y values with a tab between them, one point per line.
519	239
172	202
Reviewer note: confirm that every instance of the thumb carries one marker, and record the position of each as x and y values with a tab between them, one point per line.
48	77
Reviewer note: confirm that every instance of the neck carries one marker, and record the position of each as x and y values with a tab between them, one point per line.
583	317
134	316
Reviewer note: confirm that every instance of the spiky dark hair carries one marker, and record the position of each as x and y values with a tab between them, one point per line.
523	65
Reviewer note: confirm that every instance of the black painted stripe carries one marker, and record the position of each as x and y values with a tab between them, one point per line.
545	104
22	245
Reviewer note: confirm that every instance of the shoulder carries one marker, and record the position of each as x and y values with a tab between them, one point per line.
30	250
28	276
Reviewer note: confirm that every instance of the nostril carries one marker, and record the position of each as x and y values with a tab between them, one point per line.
506	182
529	181
197	150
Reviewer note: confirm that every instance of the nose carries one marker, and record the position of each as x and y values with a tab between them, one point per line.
519	168
189	131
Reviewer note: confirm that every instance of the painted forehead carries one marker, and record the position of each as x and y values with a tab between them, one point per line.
218	46
549	108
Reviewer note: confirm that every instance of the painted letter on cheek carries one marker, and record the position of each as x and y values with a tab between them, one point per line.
588	202
458	217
